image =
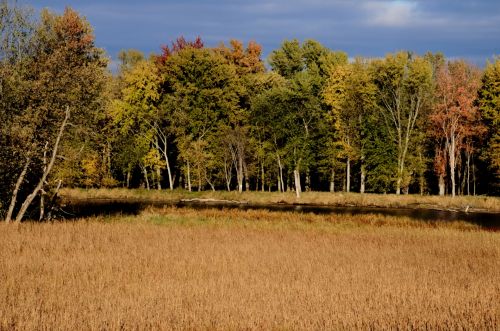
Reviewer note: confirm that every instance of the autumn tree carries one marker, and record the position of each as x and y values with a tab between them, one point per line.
176	46
248	66
455	116
65	82
137	118
350	93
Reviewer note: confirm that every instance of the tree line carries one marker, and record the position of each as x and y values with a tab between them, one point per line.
197	117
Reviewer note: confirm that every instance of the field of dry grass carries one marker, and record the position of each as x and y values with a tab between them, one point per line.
472	203
216	269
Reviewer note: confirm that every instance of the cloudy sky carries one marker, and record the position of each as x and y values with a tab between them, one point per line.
459	28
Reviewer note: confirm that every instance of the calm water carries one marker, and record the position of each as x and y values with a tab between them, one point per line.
97	207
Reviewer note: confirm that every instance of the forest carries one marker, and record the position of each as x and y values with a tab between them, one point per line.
194	117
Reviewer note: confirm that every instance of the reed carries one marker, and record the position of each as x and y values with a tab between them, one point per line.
218	269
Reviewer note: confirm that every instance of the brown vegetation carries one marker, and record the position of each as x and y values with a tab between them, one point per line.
213	269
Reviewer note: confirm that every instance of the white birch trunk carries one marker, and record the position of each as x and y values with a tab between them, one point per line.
280	179
189	176
29	198
348	175
19	182
158	177
263	174
298	189
145	172
451	153
332	181
362	179
441	185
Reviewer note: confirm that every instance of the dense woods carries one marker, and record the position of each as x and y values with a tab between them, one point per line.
218	118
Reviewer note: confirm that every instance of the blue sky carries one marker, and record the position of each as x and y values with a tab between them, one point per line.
371	28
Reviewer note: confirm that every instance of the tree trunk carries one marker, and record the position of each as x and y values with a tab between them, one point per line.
42	191
29	198
247	177
53	200
280	179
332	181
164	139
158	177
227	174
441	185
239	174
199	178
473	177
42	205
189	176
298	189
212	186
421	174
108	156
153	179
451	153
348	175
421	185
128	178
169	172
263	182
19	182
308	180
362	179
145	172
468	173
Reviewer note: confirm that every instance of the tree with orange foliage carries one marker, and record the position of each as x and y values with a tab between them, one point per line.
64	75
455	117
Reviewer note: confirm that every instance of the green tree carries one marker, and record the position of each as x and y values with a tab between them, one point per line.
489	106
305	67
404	83
200	92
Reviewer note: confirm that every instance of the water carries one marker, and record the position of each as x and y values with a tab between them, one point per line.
98	207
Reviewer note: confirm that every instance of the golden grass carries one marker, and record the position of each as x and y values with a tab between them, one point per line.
185	269
475	203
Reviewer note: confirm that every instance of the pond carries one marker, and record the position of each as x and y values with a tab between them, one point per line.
97	207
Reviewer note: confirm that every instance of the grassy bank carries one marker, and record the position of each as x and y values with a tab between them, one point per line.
217	269
471	203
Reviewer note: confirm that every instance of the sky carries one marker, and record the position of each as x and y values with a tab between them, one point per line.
369	28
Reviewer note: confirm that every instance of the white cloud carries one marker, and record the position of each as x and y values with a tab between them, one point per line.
404	13
392	13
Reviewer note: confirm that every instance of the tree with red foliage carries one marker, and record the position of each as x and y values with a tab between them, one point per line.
455	117
177	45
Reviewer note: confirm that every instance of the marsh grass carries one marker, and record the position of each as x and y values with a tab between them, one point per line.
175	268
472	203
